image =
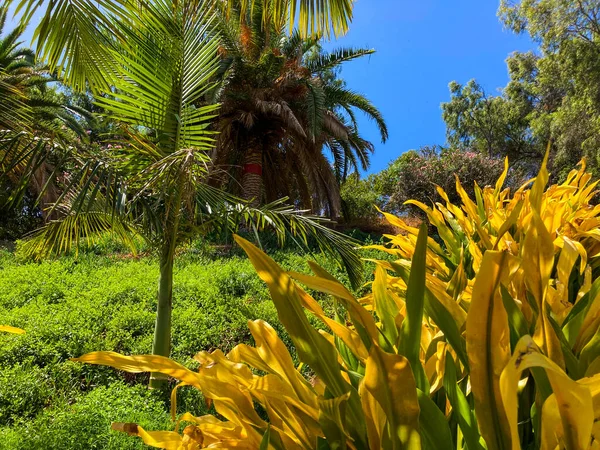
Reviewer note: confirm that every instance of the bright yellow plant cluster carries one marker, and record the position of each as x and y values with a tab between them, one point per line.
484	335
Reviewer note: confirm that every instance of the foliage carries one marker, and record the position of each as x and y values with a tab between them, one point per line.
16	222
312	18
552	95
562	83
416	175
359	199
507	305
34	113
285	109
86	424
150	66
494	126
24	391
106	300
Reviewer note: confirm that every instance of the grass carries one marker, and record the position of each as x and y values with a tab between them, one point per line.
71	306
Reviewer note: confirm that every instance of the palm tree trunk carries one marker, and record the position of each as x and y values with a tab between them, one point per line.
162	329
252	177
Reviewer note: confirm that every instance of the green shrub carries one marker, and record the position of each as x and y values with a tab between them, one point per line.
24	391
415	175
359	198
85	425
100	302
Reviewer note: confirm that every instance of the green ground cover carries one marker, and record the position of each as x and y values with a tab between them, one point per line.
71	306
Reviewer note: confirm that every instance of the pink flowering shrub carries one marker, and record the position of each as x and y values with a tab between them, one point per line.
416	173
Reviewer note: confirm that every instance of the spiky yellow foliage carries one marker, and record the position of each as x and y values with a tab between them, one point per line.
485	335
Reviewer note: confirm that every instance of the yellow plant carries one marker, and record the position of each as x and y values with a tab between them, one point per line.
10	329
484	337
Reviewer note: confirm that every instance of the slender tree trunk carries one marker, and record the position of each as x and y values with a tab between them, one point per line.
49	192
162	329
252	177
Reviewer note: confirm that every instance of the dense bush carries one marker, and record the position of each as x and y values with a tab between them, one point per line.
86	425
359	199
16	222
24	391
488	339
415	175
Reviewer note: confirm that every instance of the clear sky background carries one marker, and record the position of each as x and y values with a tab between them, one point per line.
421	46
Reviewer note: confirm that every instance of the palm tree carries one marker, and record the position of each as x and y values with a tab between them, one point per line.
15	66
282	106
32	106
151	62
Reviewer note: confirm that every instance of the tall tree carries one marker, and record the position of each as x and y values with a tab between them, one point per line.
286	116
553	95
564	80
32	105
494	125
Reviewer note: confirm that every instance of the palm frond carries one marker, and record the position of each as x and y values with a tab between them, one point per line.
21	156
14	113
335	126
326	61
282	110
287	222
347	98
71	231
315	104
75	37
322	17
165	70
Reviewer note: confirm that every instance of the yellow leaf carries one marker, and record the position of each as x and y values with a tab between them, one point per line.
468	205
537	190
297	420
538	262
488	349
10	329
571	402
334	288
389	379
313	349
501	178
333	420
277	360
348	336
142	363
168	440
571	250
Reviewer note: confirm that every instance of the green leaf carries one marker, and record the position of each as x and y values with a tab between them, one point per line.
409	343
435	432
516	320
264	442
461	409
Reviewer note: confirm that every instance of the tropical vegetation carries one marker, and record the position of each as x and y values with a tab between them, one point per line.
149	65
201	143
485	340
282	106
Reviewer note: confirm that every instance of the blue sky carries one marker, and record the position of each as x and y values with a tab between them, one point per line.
421	46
